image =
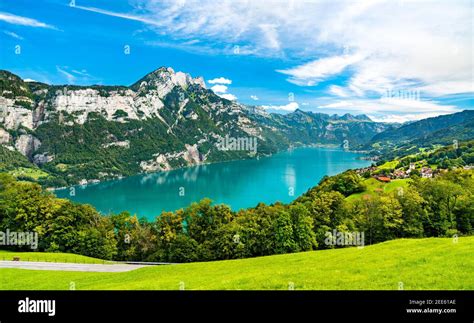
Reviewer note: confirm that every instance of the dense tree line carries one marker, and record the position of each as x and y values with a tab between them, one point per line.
442	206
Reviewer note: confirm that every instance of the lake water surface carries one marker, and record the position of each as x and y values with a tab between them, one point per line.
240	184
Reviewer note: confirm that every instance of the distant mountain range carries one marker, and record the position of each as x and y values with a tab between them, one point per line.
165	120
408	138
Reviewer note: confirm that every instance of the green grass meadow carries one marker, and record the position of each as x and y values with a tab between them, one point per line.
374	187
417	264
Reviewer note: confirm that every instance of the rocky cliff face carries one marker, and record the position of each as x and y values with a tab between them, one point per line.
165	120
27	144
143	100
4	137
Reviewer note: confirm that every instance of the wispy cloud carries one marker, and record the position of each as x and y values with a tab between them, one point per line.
402	118
193	47
23	21
70	78
338	91
312	73
120	15
12	34
82	72
290	107
75	76
392	110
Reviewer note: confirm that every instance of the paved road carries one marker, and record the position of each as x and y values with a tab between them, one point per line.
68	266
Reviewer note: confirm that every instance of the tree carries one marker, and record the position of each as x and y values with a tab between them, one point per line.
442	197
346	183
258	230
230	241
97	241
327	211
183	249
392	217
414	212
368	219
202	219
303	233
284	235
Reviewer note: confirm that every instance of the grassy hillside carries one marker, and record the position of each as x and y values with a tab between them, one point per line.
435	263
376	187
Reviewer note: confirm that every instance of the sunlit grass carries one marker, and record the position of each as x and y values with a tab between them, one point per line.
49	257
389	165
374	186
431	263
34	173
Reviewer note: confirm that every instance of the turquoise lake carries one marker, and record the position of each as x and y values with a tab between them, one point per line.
239	184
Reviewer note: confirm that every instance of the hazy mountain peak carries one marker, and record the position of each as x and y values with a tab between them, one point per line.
347	117
363	117
168	76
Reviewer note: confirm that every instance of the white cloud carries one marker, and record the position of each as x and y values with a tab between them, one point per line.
254	97
441	87
23	21
219	88
312	73
228	96
405	45
29	80
338	91
270	36
12	34
220	80
290	107
392	110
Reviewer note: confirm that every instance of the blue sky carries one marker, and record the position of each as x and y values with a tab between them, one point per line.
394	60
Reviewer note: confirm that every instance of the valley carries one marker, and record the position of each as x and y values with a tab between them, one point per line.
240	183
164	121
151	157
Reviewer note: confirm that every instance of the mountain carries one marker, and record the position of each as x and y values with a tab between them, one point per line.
350	117
165	120
408	138
425	127
306	128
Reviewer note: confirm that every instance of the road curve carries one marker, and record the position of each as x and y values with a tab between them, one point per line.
33	265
